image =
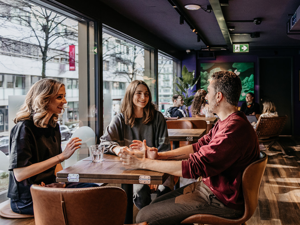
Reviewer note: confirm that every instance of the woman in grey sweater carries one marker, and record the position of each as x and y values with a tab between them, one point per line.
138	120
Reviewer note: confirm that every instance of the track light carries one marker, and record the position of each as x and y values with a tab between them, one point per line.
194	30
257	21
181	20
231	28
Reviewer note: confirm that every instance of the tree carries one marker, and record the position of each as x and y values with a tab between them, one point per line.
41	27
124	54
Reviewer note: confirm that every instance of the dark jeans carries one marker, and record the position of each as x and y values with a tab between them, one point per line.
25	206
142	194
174	207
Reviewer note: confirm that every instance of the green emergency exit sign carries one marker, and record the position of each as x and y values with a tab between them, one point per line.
240	48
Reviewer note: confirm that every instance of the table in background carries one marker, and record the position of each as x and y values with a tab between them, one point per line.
210	121
191	135
111	170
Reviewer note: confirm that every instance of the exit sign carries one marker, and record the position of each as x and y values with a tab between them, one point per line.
239	48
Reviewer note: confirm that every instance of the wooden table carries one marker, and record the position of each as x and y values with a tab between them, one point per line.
111	170
185	134
209	120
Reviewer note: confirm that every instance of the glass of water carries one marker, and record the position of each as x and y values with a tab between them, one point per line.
96	152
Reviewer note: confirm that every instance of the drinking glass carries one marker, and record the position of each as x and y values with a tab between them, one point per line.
96	152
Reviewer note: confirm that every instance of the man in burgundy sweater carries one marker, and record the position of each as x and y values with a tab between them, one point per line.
220	157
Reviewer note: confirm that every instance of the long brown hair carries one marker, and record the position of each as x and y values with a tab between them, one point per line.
127	107
199	100
36	102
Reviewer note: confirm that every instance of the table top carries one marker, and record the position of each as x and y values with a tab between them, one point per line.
185	134
111	170
207	119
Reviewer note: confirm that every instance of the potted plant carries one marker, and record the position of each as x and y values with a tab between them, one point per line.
185	85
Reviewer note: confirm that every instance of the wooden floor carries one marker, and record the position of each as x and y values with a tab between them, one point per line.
279	197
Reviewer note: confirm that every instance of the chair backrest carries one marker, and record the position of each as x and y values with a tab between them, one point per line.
268	127
251	180
179	124
89	206
199	124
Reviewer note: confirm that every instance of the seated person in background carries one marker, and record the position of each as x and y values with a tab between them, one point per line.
175	110
220	158
199	106
138	120
250	107
269	110
35	145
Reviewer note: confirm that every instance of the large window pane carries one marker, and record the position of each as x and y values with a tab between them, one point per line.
123	62
24	29
167	72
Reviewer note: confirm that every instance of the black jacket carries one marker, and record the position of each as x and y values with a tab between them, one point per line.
248	110
175	111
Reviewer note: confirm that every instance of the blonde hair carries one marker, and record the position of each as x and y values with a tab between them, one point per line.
127	107
36	102
199	100
269	107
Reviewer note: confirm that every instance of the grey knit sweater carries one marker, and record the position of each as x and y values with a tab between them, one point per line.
119	134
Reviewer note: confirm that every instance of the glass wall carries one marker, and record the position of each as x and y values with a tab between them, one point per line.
123	62
168	69
37	42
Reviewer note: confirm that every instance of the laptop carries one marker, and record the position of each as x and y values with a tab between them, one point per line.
252	118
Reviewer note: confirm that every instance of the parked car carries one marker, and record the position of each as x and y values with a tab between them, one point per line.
4	145
65	132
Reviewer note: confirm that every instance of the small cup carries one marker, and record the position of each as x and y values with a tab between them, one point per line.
96	152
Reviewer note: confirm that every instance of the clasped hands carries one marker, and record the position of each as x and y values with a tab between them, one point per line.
137	154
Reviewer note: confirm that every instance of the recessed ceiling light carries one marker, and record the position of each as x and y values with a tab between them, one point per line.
192	7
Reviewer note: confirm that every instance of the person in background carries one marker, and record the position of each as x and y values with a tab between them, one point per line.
269	110
35	145
175	111
220	158
138	120
250	107
199	106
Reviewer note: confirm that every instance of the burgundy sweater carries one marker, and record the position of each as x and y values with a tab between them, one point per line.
221	157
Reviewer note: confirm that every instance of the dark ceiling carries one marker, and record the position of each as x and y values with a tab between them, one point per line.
161	18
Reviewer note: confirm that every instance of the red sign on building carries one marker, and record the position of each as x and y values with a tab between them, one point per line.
72	57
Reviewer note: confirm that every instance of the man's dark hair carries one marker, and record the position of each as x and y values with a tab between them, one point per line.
175	97
252	94
229	84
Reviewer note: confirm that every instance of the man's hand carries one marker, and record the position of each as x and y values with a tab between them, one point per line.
128	159
141	150
253	114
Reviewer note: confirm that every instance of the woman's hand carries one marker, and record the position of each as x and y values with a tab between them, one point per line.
71	147
56	185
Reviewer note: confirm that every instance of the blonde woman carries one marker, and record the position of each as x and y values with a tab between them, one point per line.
138	121
35	144
269	110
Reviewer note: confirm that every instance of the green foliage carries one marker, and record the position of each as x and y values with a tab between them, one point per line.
185	85
247	86
3	175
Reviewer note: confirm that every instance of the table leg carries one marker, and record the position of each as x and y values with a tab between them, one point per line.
175	144
128	188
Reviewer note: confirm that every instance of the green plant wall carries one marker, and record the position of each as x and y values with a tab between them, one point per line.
244	70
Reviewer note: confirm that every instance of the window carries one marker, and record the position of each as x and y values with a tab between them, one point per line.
167	72
127	61
23	58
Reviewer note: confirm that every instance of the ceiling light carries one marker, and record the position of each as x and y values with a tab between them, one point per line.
192	7
194	30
